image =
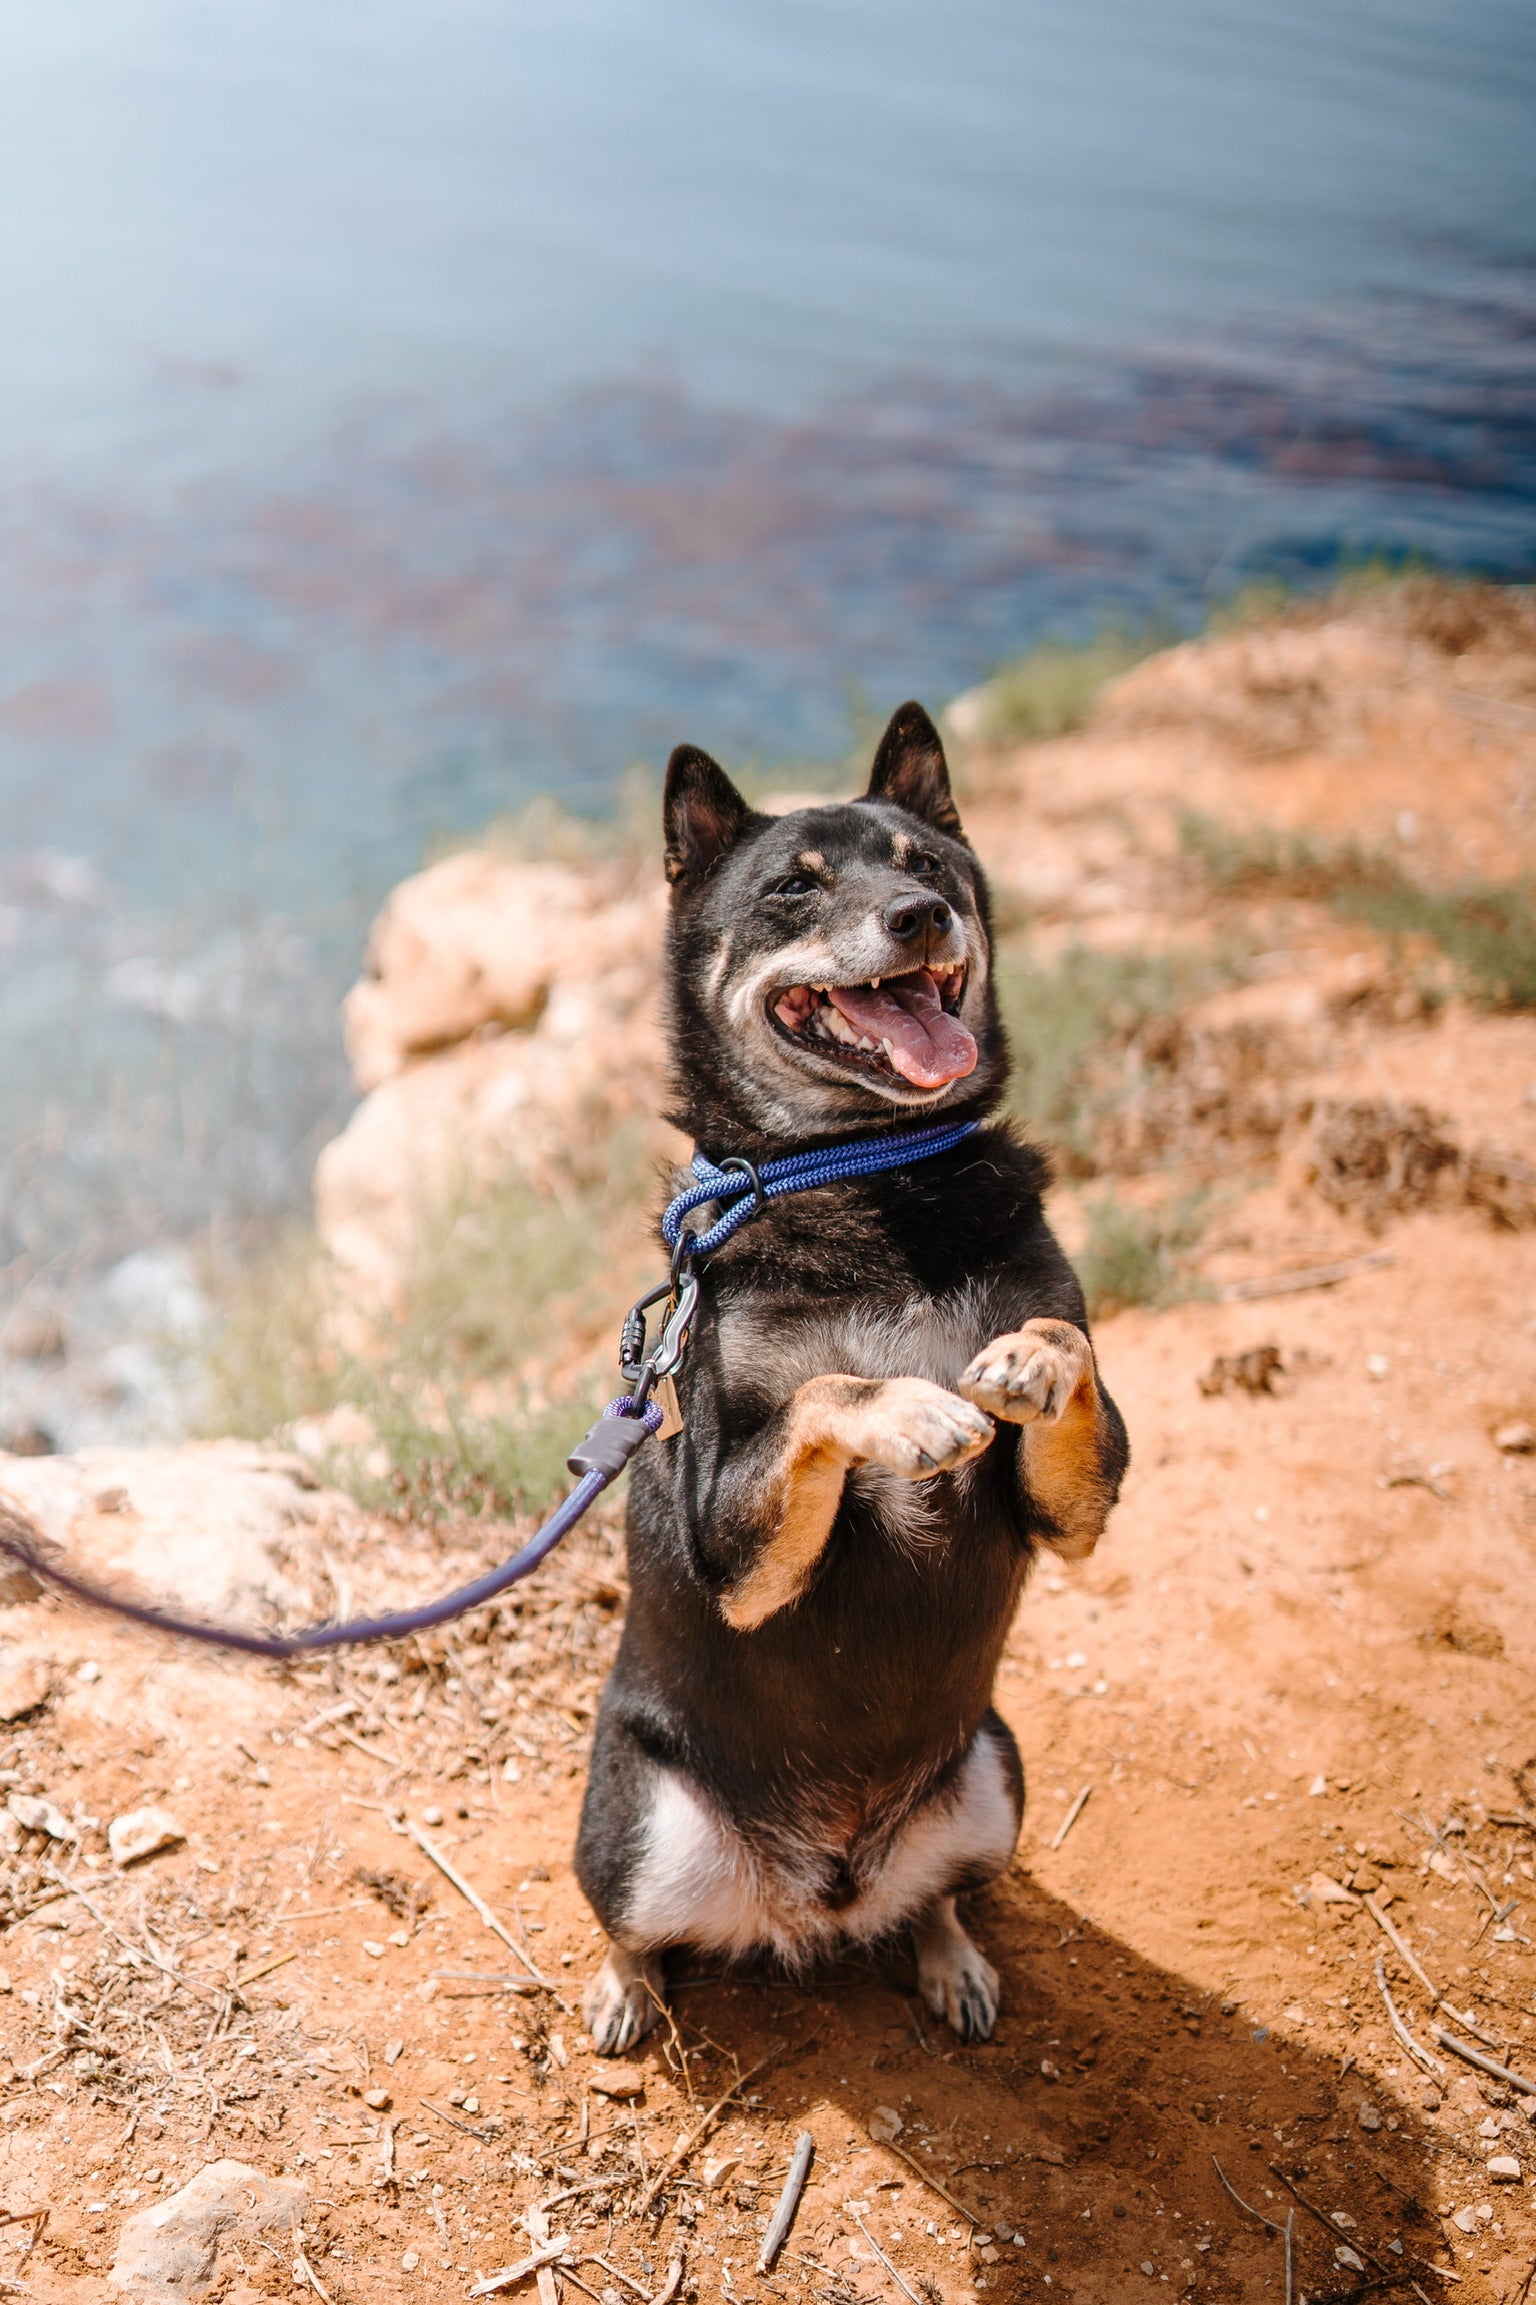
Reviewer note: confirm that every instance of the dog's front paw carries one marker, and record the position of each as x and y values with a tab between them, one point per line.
1033	1373
959	1984
917	1429
623	2002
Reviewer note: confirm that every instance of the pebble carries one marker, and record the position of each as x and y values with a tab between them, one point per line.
1328	1891
618	2081
1504	2169
39	1815
1369	2118
1516	1439
377	2100
25	1683
172	2251
885	2124
140	1833
431	1816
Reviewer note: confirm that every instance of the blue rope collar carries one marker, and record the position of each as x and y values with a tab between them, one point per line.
742	1191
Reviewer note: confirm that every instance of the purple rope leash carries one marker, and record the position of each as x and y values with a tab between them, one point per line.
741	1192
619	1447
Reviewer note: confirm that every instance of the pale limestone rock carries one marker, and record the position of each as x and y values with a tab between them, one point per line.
142	1833
25	1684
204	1528
37	1814
508	1024
479	940
174	2250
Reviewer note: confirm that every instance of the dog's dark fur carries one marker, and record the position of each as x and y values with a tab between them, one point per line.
797	1745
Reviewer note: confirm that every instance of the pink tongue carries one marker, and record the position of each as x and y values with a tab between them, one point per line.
928	1047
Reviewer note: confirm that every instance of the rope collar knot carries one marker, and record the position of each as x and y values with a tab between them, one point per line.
741	1191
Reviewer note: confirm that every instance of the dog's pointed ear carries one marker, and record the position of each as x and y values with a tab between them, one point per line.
702	813
910	769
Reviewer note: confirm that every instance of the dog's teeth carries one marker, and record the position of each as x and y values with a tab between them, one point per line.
874	984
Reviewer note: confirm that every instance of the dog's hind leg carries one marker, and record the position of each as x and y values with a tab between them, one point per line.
954	1977
624	2000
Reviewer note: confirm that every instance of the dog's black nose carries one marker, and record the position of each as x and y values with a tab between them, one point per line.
908	916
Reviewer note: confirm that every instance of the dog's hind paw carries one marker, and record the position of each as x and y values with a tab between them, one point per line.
623	2001
955	1979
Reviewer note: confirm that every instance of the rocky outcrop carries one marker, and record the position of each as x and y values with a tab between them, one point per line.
1324	674
507	1023
208	1527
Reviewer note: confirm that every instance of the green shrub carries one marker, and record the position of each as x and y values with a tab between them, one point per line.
1486	929
1054	686
499	1284
1137	1256
1065	1021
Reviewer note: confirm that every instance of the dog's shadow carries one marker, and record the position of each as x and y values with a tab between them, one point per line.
1097	2126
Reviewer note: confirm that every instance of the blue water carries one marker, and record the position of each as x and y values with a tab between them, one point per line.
406	408
229	219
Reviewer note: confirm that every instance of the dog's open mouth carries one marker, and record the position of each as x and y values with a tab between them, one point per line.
905	1025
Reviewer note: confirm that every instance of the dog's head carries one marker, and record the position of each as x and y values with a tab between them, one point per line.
829	969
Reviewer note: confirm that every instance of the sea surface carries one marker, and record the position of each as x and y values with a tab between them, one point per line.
409	409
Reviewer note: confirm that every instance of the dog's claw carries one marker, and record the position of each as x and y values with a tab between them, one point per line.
1028	1376
623	2002
954	1977
916	1429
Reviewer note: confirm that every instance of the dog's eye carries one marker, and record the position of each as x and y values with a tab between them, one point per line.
793	884
923	865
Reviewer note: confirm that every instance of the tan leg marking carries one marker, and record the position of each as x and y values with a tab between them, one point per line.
1042	1377
912	1428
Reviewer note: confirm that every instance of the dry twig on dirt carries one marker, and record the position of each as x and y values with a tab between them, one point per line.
477	1904
1285	2231
888	2145
1071	1817
1393	2273
508	2276
1488	2065
904	2285
680	2152
783	2217
1431	2065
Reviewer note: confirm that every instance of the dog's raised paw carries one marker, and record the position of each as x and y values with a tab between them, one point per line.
917	1429
624	2000
958	1983
1032	1373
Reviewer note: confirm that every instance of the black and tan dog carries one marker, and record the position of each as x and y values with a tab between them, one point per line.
890	1402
